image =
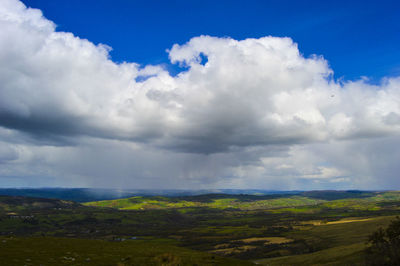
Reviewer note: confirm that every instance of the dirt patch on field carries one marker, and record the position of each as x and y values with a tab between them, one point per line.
228	251
347	220
221	246
268	240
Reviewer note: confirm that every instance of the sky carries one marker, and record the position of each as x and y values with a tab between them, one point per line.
276	95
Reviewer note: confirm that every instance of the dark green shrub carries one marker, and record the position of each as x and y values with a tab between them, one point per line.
384	246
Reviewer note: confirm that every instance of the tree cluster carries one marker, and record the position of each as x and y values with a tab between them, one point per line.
384	248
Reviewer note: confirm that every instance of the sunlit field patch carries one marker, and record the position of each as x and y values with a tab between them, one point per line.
267	240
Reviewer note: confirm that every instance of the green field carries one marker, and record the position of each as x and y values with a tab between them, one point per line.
367	201
141	203
70	251
310	228
340	243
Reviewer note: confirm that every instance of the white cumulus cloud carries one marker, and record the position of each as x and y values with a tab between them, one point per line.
64	92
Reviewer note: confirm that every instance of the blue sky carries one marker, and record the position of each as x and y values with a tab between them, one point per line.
261	112
358	38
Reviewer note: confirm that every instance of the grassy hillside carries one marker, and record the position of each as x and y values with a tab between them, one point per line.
141	203
18	203
340	255
339	200
338	243
301	229
67	251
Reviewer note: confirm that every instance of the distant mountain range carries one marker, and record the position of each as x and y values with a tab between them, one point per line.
91	194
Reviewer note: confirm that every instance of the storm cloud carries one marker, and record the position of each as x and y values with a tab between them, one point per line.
255	113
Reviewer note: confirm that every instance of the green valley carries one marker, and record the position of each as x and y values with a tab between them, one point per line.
304	228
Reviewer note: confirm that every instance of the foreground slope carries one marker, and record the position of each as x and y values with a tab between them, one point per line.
68	251
338	243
